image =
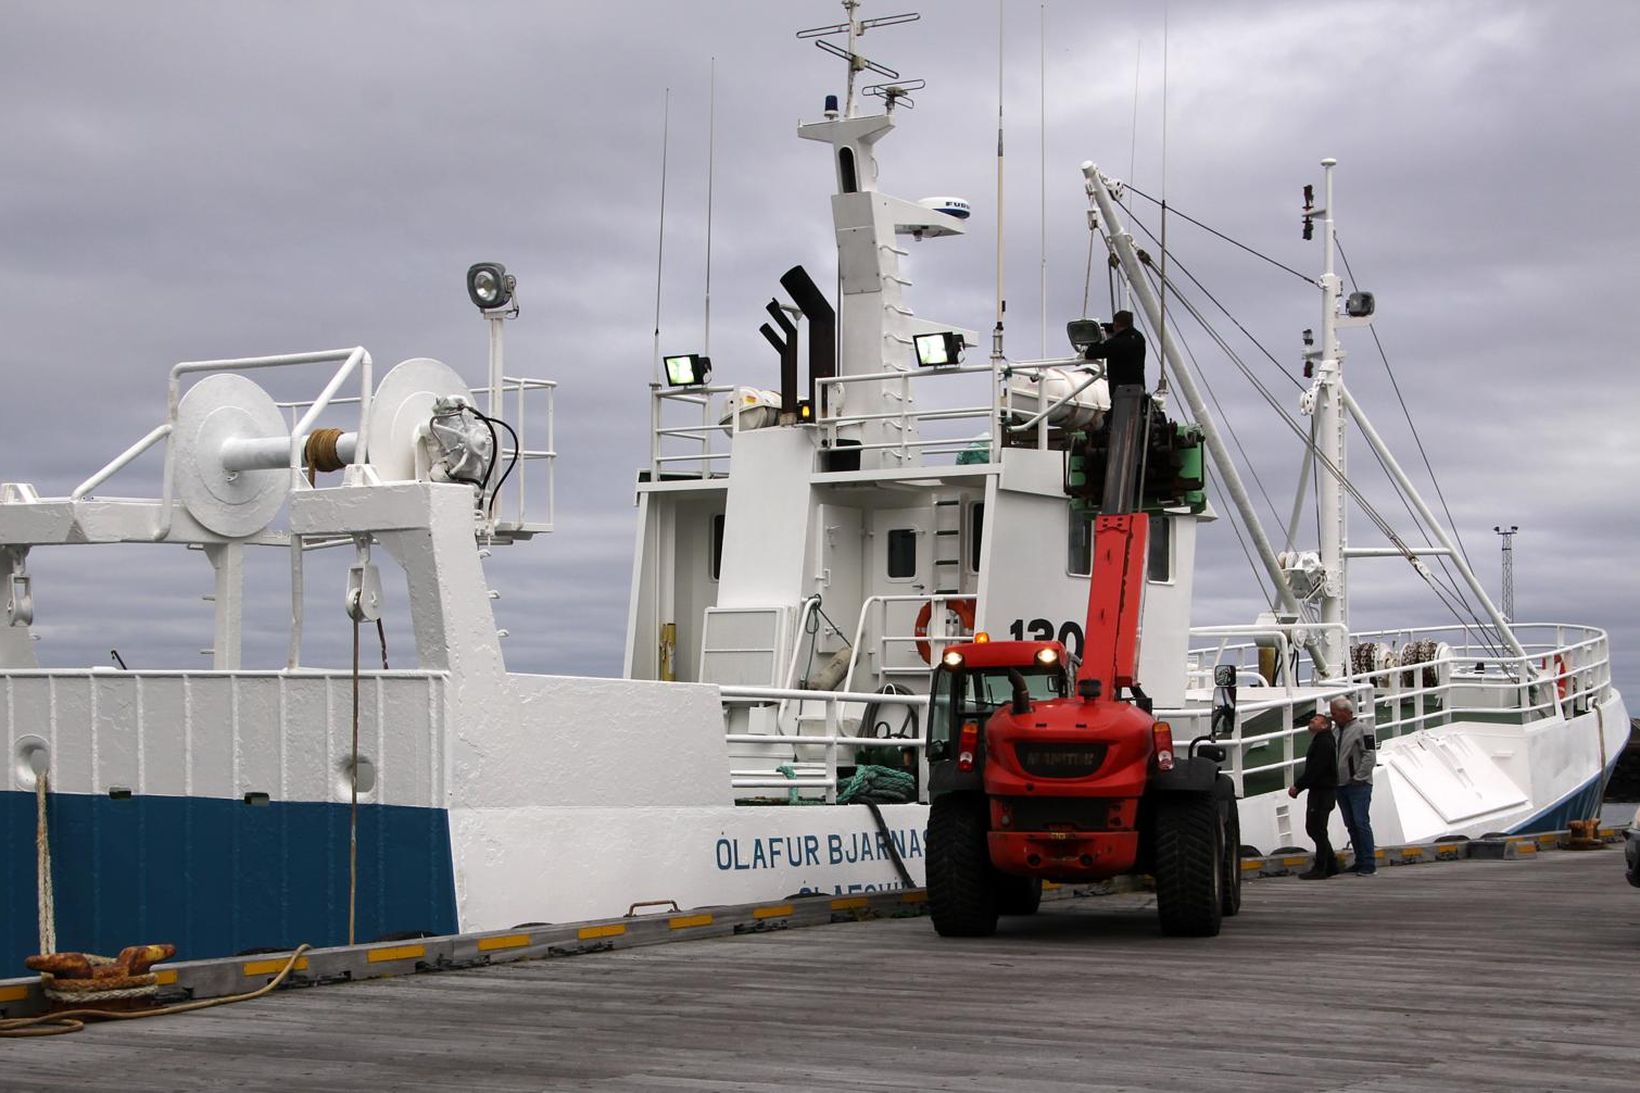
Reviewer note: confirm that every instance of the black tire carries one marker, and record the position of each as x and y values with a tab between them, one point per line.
962	888
1189	865
1018	895
1230	898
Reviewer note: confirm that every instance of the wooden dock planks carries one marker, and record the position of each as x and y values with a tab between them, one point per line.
1483	975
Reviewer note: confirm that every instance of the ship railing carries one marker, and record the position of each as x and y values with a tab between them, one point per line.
904	422
511	518
812	759
700	446
999	415
876	609
228	733
1567	670
1278	721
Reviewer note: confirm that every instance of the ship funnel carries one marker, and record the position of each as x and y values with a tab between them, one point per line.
822	327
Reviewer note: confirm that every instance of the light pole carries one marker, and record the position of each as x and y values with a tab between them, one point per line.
1508	536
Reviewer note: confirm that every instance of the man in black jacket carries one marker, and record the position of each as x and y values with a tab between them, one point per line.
1320	778
1123	353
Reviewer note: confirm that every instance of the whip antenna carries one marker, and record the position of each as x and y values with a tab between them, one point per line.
711	156
1002	304
1042	162
660	245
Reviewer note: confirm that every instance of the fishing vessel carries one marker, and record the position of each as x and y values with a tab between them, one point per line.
802	556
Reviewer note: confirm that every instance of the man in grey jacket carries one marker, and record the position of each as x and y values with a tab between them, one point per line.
1357	755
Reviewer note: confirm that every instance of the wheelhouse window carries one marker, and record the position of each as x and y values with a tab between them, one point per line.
902	553
1159	563
1079	546
976	534
716	560
1159	566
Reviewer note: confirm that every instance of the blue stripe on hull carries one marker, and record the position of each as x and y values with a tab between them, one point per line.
1581	804
215	877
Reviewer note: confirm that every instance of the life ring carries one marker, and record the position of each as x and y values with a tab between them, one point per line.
963	609
1563	678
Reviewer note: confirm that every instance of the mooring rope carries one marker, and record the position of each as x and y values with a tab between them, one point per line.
65	1021
353	792
42	853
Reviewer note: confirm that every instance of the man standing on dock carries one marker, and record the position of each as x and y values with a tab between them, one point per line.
1320	778
1357	755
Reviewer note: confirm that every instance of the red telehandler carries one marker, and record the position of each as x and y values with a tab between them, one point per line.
1031	782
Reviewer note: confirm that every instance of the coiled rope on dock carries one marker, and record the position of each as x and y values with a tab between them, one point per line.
66	1021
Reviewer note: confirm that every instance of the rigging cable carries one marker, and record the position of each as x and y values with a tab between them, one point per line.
1453	587
1445	593
1172	258
1234	242
1396	386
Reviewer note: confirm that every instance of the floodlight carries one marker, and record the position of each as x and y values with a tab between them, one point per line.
489	286
1084	333
1047	657
1359	305
939	350
687	369
952	659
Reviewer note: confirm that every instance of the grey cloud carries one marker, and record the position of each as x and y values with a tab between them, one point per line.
201	180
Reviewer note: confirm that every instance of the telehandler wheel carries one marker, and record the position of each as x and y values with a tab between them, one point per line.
1189	865
962	888
1231	885
1018	895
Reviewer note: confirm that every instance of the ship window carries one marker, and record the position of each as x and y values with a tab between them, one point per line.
845	170
902	553
1159	567
976	534
1079	546
717	546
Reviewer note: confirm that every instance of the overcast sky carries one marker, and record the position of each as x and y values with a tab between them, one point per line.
196	180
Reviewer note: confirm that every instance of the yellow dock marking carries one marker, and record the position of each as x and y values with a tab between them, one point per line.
506	941
396	952
914	897
1294	860
851	903
684	922
165	979
13	994
777	910
589	933
263	967
1526	848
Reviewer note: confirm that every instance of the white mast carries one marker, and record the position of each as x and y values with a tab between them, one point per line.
1333	405
1330	440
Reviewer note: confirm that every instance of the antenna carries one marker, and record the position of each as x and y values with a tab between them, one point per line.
1002	305
1508	536
660	245
1042	162
1161	333
857	63
1133	165
711	163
